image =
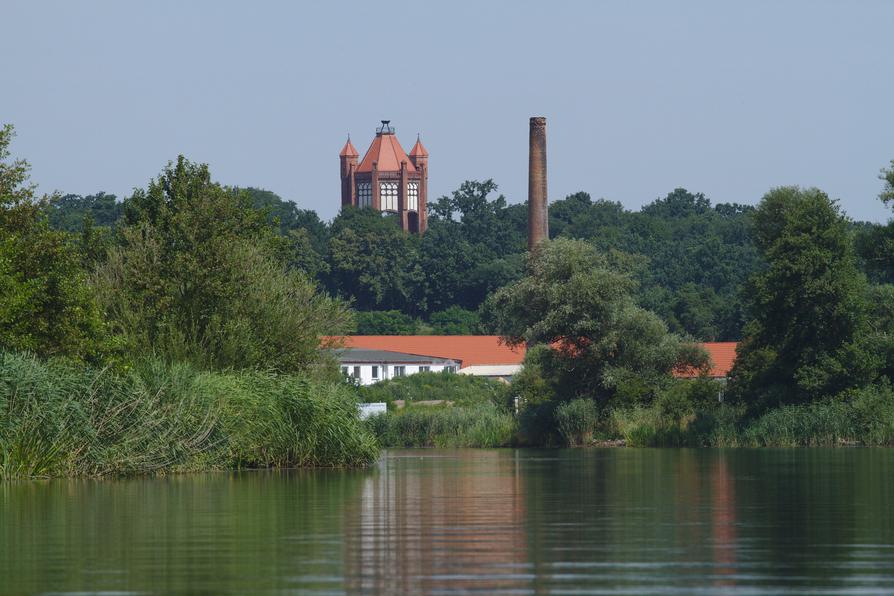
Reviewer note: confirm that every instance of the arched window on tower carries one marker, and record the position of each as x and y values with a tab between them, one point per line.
412	196
364	194
388	195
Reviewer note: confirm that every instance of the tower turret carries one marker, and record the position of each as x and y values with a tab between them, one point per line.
348	159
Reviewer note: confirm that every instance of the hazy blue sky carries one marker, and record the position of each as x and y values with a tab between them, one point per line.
729	99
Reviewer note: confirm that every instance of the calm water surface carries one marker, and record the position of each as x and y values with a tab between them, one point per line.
612	521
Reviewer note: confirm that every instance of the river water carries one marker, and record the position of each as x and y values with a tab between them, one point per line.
596	521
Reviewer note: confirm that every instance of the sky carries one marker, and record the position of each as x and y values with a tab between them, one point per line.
726	98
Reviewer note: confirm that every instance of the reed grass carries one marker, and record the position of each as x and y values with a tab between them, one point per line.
60	419
479	425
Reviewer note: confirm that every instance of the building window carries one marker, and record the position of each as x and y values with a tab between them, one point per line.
388	195
364	194
344	370
356	372
412	196
424	369
375	372
450	369
400	371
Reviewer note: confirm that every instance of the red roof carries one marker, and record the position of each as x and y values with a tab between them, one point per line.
348	150
387	152
469	350
418	150
472	350
723	356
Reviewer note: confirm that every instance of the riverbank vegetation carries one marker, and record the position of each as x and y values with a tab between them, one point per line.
183	339
813	368
442	410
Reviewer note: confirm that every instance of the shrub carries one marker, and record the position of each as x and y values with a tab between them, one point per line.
576	421
479	425
459	389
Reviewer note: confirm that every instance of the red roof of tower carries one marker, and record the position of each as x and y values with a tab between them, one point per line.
389	154
418	150
348	150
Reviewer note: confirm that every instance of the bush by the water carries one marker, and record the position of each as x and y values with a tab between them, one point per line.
576	421
479	425
60	419
863	417
459	389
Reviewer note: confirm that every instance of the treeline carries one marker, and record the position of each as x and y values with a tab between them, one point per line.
689	257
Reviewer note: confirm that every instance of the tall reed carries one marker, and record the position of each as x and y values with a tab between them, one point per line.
60	419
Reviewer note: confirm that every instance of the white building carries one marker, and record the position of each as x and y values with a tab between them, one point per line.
371	366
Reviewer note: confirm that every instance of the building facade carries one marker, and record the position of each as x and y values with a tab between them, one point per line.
366	367
387	179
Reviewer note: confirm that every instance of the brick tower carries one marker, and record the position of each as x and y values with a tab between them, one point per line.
387	179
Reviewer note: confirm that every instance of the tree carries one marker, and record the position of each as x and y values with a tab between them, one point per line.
69	212
374	262
385	322
887	175
45	304
807	307
581	303
195	277
455	321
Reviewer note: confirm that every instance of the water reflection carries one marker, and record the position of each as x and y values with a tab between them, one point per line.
621	521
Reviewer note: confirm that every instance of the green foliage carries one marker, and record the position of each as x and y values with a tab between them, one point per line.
45	303
576	421
887	176
57	419
427	386
69	212
805	337
455	321
863	417
581	302
374	262
480	425
195	279
385	322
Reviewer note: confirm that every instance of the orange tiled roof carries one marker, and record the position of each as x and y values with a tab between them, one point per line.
469	350
723	356
418	150
472	350
348	150
387	152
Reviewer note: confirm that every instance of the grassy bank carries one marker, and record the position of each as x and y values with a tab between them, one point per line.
863	417
58	419
472	412
478	425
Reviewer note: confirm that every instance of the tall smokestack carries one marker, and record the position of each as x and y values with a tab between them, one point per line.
538	217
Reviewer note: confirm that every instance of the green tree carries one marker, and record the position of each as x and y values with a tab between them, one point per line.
374	262
455	321
385	322
887	176
195	277
45	304
581	302
69	212
807	308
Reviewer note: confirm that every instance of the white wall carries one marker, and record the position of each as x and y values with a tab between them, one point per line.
386	371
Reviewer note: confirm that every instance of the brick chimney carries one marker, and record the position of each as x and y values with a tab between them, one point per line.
538	216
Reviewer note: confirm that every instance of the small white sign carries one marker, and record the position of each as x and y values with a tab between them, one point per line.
367	410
